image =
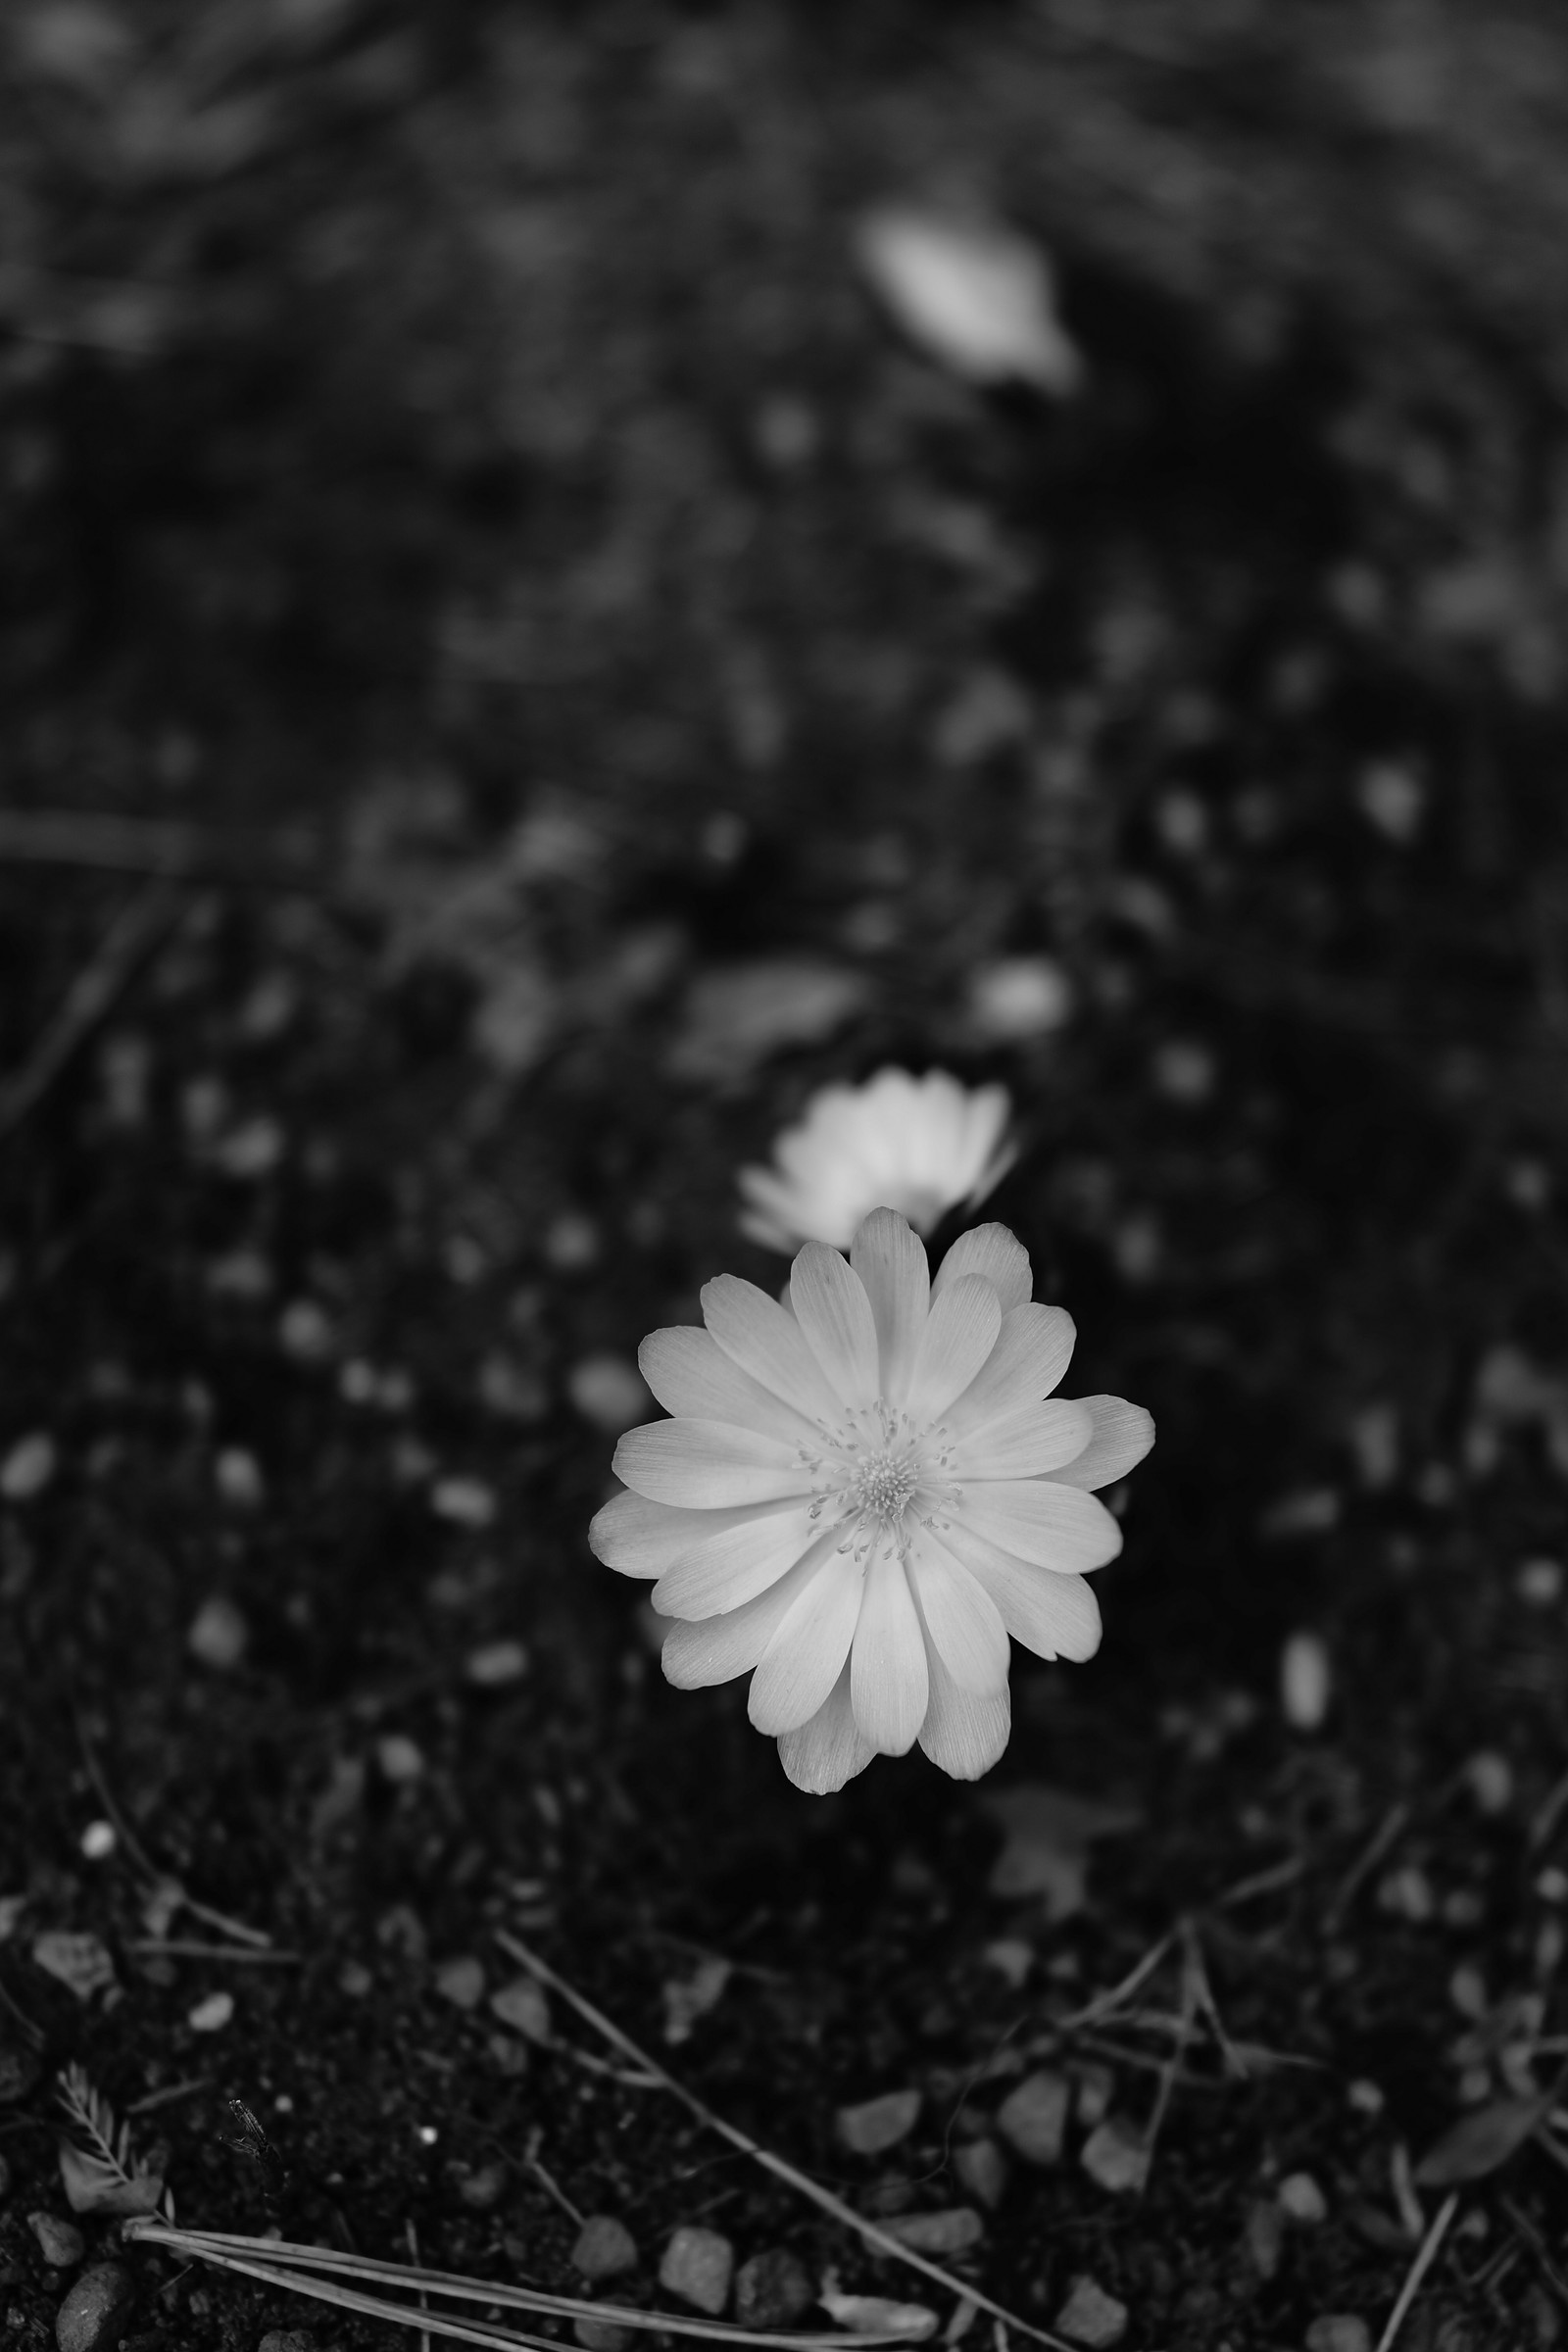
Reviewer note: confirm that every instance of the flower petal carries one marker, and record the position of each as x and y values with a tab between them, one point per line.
802	1662
963	1623
638	1537
714	1650
964	1733
705	1464
1055	1526
1055	1616
694	1379
891	1261
1123	1433
889	1678
828	1750
1031	1355
960	1332
995	1253
755	1331
832	1309
734	1565
1022	1444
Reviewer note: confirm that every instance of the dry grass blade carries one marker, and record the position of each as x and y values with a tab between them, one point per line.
88	1000
1425	2258
318	2270
801	2183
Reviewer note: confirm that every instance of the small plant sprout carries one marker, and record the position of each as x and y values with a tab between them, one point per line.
921	1146
864	1492
106	2175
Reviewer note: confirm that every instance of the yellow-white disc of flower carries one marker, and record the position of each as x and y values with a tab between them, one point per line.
921	1146
865	1491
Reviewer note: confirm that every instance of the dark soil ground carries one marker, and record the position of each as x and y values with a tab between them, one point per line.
475	567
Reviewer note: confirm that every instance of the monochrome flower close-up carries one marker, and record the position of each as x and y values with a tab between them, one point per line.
921	1146
864	1492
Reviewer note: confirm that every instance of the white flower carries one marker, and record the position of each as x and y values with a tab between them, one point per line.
921	1146
864	1492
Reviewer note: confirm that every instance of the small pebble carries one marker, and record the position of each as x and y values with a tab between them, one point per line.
250	1151
982	2168
571	1243
306	1333
1096	2086
951	2232
401	1759
1305	1682
484	2187
772	2289
495	1664
1489	1779
1302	2201
1538	1583
609	1392
464	1502
1339	2331
1032	2118
1091	2317
212	2015
61	2243
1183	1072
355	1978
460	1982
28	1467
875	2314
698	2266
601	2335
1115	2156
90	2318
1020	997
98	1840
523	2006
1366	2097
287	2339
605	2248
878	2123
218	1635
1011	1958
237	1475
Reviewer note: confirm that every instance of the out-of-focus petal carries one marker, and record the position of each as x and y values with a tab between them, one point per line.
995	1253
891	1261
830	1305
1123	1434
802	1662
959	1334
828	1750
889	1678
704	1465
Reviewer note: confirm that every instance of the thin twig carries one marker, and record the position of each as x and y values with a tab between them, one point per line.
88	1000
1190	2001
1390	1830
1538	2246
175	1947
141	1861
800	2181
167	2098
1426	2255
1262	1882
1548	1815
1203	1993
1105	2004
160	847
295	2267
547	2178
412	2237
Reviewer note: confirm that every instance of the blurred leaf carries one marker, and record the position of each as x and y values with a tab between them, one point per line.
93	2185
739	1015
1480	2141
1048	1835
972	294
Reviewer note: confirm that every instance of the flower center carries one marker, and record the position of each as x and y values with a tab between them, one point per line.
884	1483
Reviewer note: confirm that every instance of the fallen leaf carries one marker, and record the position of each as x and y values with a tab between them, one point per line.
1048	1835
687	1998
82	1962
92	2186
1480	2141
972	294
